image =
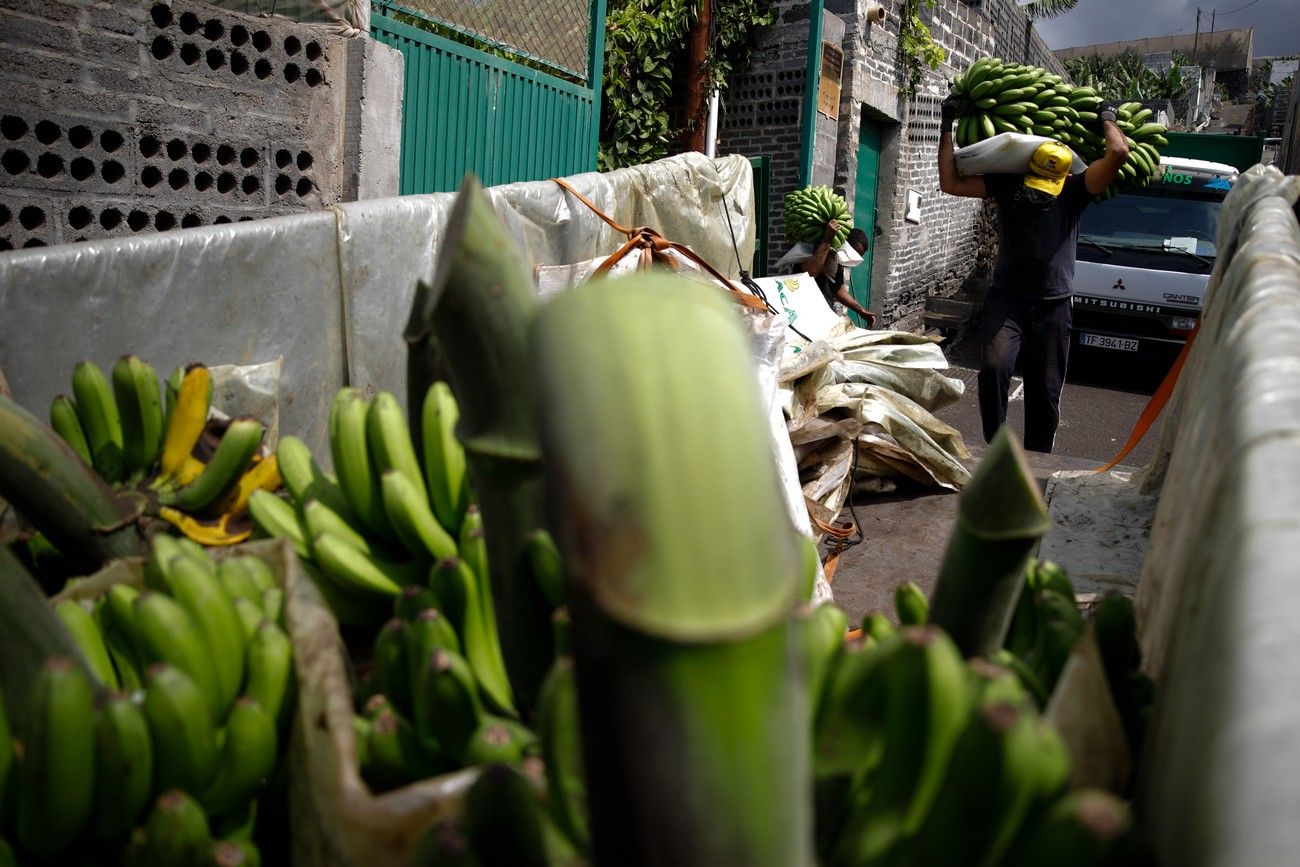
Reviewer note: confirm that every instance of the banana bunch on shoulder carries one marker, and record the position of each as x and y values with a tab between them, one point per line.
1014	97
921	757
162	738
808	210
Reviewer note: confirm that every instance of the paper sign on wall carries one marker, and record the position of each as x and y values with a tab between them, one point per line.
828	85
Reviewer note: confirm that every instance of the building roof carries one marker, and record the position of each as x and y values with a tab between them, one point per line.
1223	49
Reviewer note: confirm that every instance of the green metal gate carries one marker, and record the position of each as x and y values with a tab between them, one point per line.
465	110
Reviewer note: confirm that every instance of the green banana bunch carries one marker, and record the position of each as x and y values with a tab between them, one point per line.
122	433
176	832
1085	828
248	754
1014	97
927	703
561	742
123	767
56	776
808	210
911	605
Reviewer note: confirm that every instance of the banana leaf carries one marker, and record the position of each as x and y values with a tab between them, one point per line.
472	323
683	570
1001	516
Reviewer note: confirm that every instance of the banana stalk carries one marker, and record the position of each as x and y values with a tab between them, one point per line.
683	573
1001	517
475	318
50	486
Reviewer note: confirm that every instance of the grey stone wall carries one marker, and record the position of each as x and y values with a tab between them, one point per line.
129	117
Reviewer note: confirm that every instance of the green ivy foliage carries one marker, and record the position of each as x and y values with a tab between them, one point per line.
645	46
916	47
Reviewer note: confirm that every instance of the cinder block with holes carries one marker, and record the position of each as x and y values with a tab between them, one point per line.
208	116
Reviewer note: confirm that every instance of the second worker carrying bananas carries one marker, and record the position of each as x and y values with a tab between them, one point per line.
1027	310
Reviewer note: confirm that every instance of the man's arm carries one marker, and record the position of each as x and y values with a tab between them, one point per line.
950	181
846	298
816	263
1101	172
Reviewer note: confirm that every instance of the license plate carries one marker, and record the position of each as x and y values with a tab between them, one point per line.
1103	341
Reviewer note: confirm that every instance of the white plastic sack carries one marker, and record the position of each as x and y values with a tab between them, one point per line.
799	253
1007	153
805	307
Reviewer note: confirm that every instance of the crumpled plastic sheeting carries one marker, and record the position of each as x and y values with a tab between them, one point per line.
250	389
389	244
938	447
242	293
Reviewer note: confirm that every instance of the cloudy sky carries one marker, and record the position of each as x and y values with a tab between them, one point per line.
1276	22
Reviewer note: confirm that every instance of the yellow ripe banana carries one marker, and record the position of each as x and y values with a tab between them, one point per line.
63	418
411	518
186	421
97	411
276	519
263	475
211	534
55	778
389	438
85	633
169	634
352	463
238	445
247	758
444	457
139	403
123	767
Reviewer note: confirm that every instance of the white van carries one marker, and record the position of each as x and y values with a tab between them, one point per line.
1144	258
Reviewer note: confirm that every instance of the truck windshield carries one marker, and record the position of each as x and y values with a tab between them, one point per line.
1153	221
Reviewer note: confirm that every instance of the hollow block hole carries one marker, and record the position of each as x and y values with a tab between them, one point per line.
291	45
112	171
31	217
110	140
291	72
190	23
110	218
262	69
162	47
164	220
12	127
137	220
190	53
261	40
161	14
80	217
202	181
49	165
48	132
238	35
213	29
250	185
283	184
216	58
225	182
176	150
201	152
151	176
80	136
314	78
304	160
149	146
283	158
15	161
248	157
177	178
81	168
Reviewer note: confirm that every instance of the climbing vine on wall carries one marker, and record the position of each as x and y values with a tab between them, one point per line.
645	48
916	47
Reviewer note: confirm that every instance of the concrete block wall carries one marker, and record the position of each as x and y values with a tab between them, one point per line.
129	117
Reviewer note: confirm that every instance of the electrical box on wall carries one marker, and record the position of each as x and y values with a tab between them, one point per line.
913	212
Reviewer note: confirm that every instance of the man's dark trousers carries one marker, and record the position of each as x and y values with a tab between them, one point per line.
1038	332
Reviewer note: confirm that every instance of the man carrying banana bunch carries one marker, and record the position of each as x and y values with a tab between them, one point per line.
830	274
1027	310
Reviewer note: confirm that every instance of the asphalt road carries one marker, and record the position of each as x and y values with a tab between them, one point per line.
1105	392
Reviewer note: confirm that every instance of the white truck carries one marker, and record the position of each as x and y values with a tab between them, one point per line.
1144	258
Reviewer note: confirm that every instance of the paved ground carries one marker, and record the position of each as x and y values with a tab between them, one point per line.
903	534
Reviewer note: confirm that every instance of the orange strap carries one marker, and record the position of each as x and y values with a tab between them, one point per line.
1155	404
654	249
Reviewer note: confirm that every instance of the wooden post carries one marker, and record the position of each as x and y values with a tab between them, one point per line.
697	56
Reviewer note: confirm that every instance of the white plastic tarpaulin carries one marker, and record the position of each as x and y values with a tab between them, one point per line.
330	291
